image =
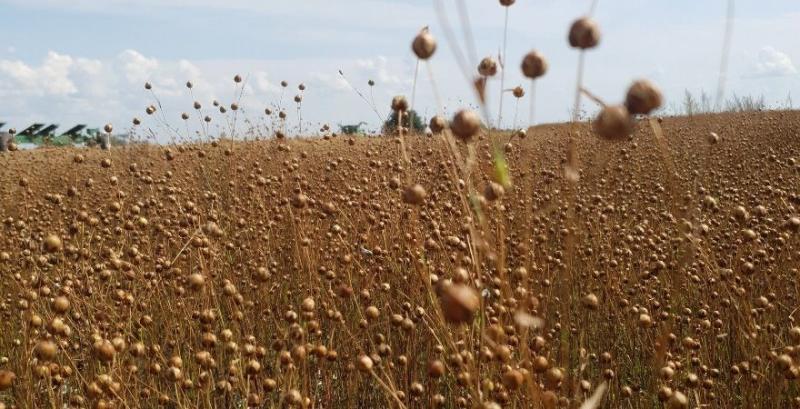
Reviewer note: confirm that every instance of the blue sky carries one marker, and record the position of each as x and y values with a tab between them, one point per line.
70	61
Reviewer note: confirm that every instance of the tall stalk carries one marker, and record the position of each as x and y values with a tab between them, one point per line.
503	71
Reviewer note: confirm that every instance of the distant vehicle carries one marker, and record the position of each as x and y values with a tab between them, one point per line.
31	130
40	134
352	129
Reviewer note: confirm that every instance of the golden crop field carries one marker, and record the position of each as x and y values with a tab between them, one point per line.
337	273
631	258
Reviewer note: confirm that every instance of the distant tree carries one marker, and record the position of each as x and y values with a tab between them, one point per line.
746	103
409	118
705	105
693	105
690	105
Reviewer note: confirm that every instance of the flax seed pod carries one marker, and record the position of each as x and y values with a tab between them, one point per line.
643	97
424	45
7	379
493	191
465	124
584	34
487	67
613	122
459	303
365	363
399	104
414	195
437	124
53	243
534	65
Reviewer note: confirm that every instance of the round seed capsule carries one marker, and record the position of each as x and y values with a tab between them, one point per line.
424	45
534	65
643	97
613	122
487	67
584	34
399	104
465	124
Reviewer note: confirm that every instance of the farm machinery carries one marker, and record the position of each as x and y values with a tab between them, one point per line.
352	129
40	134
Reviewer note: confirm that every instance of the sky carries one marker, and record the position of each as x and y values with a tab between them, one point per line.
86	61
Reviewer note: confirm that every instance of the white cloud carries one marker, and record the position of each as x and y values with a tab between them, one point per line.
137	67
772	63
331	81
68	89
17	71
263	83
52	78
379	70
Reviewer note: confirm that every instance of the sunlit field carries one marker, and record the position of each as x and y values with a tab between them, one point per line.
314	273
624	259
